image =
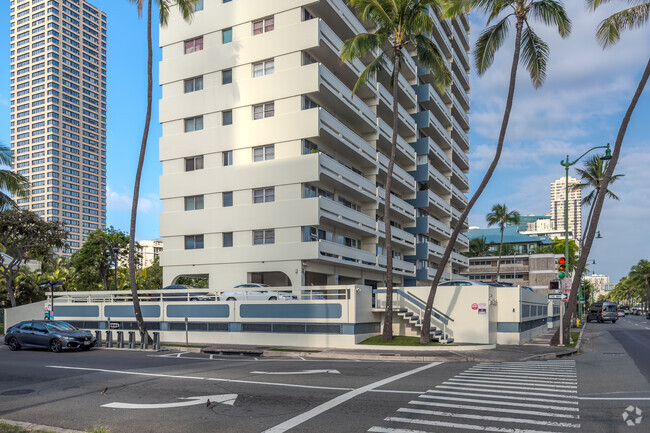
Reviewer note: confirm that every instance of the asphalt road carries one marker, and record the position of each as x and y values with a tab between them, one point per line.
587	393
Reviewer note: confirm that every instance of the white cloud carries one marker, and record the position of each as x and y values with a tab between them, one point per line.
122	202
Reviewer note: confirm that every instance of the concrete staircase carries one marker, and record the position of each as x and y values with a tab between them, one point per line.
415	321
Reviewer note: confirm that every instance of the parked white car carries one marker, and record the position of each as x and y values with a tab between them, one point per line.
255	295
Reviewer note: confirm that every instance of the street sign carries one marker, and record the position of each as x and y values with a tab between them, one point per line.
562	296
581	302
115	325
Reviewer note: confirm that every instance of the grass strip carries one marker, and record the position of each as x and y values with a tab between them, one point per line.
397	341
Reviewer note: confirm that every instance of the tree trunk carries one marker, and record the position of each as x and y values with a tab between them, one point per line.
136	187
598	206
387	333
499	259
591	212
425	335
10	289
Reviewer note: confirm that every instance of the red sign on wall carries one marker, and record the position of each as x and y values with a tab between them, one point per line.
474	306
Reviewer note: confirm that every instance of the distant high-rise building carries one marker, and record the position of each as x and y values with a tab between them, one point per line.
58	111
558	196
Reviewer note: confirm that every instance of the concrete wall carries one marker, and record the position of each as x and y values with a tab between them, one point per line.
25	312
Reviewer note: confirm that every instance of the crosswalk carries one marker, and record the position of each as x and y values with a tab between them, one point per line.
503	397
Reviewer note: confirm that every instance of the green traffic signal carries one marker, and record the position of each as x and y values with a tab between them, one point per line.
561	275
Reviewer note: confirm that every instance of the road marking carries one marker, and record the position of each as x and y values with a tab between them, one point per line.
522	371
507	397
297	372
463	426
211	357
488	418
306	416
614	398
495	409
480	385
481	379
469	388
289	359
516	378
216	379
503	403
228	399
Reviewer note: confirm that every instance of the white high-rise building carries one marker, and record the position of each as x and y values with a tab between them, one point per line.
58	111
273	172
558	196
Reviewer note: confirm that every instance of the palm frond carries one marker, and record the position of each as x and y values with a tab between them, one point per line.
431	58
534	56
552	13
378	11
362	45
371	70
139	4
592	5
609	30
488	43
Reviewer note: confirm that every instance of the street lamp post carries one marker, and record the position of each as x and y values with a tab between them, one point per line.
567	165
115	254
51	285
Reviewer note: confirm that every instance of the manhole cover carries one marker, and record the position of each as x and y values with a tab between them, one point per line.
17	392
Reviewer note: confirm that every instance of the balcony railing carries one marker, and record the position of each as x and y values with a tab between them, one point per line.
347	256
439	177
400	266
460	93
352	180
459	259
459	134
399	174
407	123
460	72
464	118
457	194
427	121
350	218
430	99
438	226
398	235
459	156
405	152
405	209
440	34
337	130
459	178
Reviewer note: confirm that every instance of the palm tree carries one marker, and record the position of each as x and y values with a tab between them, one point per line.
592	176
534	56
401	27
608	33
10	183
186	8
478	248
640	274
501	216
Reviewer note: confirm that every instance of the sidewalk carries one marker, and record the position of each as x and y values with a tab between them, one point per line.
536	349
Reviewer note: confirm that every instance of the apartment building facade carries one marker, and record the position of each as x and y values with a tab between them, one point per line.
58	111
558	203
273	172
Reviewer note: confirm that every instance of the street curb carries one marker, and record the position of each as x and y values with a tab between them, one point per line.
29	425
351	356
582	332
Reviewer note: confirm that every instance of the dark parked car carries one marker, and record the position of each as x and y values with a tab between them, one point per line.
55	335
602	312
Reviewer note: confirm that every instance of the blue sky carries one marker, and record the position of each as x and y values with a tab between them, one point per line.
580	106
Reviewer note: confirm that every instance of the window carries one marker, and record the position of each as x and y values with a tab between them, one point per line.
226	117
226	36
314	234
262	111
261	237
227	239
226	76
315	191
263	25
227	199
349	242
194	45
308	103
194	202
194	163
193	84
263	195
227	1
306	16
198	6
227	158
263	153
194	124
266	67
194	242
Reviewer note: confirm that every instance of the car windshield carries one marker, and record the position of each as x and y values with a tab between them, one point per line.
60	326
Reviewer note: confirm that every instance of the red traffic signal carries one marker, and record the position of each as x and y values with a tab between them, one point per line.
561	261
561	268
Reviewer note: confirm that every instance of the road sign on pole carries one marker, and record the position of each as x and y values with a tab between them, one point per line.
562	296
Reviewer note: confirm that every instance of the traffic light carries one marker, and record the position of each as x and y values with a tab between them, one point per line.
561	267
553	286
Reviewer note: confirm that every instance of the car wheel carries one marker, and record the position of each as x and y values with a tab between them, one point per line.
613	321
14	344
231	299
55	345
273	298
85	348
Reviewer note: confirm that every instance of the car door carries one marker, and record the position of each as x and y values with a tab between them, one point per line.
24	334
40	336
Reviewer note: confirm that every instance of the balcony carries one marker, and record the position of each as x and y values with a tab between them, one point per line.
459	49
337	214
462	241
459	259
459	179
405	155
459	136
346	256
339	16
406	125
429	250
455	217
402	209
459	113
458	199
464	21
460	93
429	274
462	32
428	123
435	180
459	157
431	100
399	236
346	179
335	95
402	181
437	227
352	145
437	157
400	267
433	203
440	35
460	72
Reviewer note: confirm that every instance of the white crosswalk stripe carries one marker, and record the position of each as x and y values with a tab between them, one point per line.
506	397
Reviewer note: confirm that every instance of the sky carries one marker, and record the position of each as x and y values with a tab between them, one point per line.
580	105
